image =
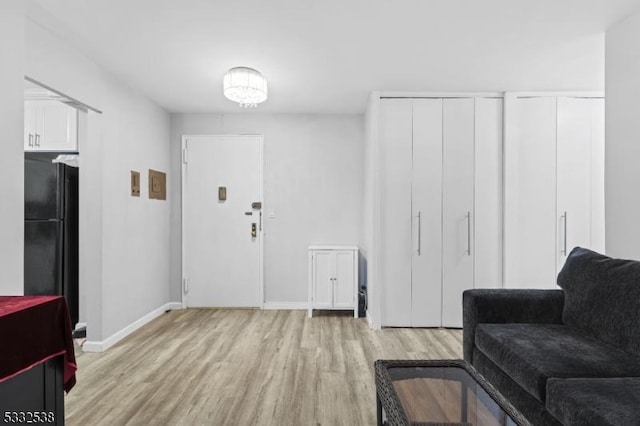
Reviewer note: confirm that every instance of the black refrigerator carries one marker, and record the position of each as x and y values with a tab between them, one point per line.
51	228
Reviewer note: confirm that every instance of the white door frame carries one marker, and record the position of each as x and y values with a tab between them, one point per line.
183	163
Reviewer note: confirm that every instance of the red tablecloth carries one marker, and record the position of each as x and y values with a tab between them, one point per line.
34	329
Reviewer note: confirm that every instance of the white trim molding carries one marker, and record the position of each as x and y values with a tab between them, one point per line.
101	346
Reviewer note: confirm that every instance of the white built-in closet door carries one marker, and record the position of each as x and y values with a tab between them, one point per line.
426	267
597	174
488	194
573	214
531	196
395	134
457	206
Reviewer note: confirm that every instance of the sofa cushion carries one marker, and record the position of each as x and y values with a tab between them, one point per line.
602	297
596	402
532	353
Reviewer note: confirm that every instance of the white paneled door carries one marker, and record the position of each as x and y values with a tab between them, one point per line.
532	260
395	228
488	194
573	215
554	197
597	174
429	192
222	247
426	264
457	206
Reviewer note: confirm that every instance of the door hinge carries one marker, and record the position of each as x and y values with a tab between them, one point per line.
185	281
184	156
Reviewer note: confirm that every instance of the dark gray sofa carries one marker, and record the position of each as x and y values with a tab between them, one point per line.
569	356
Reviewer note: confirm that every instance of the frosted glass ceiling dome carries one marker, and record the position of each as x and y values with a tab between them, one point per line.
246	86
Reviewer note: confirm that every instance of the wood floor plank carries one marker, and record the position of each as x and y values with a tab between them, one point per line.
245	367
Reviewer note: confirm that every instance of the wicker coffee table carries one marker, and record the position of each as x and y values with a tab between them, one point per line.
439	392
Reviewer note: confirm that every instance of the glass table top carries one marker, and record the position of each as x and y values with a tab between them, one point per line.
447	395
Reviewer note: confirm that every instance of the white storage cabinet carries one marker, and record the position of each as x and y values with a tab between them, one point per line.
333	278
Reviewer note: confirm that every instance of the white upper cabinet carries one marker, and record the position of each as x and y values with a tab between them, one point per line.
554	188
50	125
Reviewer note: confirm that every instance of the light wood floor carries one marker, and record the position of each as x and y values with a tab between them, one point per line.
242	367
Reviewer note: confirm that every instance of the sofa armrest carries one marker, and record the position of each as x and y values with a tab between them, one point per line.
501	306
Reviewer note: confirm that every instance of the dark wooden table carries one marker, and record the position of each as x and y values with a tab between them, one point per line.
37	360
439	392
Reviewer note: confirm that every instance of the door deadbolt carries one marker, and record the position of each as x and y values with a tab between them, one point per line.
254	231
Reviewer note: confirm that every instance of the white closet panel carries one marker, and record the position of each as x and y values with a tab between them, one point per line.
439	160
597	175
395	134
457	206
488	193
426	303
533	262
555	190
573	214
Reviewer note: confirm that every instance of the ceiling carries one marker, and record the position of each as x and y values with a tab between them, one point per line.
325	56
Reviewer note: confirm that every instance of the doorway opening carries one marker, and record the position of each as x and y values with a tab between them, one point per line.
55	126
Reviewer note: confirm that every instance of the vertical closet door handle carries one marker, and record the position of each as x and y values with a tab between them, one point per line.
564	244
419	233
468	233
333	293
30	139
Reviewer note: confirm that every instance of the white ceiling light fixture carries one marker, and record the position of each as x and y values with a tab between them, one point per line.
246	86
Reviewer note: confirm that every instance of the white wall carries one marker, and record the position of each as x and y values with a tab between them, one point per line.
313	180
124	239
136	229
622	149
370	202
12	158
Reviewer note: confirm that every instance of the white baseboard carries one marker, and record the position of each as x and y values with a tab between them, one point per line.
101	346
371	322
286	305
173	306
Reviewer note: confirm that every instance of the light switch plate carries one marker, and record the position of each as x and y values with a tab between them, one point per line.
135	183
157	185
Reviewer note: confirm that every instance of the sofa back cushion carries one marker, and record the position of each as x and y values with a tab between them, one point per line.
602	297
